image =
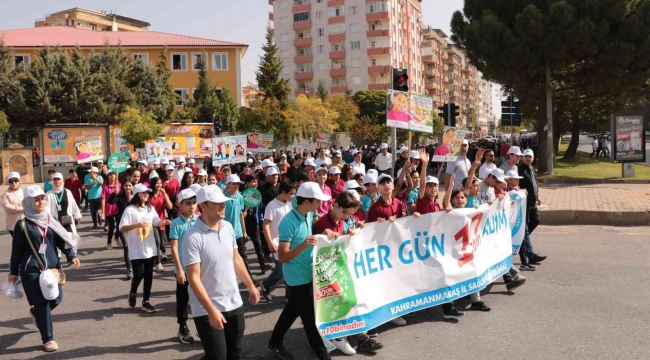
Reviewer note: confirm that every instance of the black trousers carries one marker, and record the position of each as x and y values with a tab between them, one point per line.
301	304
161	241
253	232
265	245
241	249
182	301
11	232
84	197
125	247
223	344
142	269
532	219
111	222
95	206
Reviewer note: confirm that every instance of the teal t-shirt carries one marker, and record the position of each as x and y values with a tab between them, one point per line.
294	229
233	212
179	227
48	186
413	198
95	192
222	185
366	202
472	201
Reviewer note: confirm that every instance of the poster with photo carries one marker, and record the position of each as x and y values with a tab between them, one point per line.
256	142
450	142
221	147
238	149
159	150
409	112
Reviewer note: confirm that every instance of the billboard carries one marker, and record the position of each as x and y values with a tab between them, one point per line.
409	112
628	135
81	144
189	140
256	142
450	142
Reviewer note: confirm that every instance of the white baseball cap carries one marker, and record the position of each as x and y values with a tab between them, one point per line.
249	160
172	163
100	161
164	161
233	179
138	188
156	162
498	174
191	161
180	159
272	171
432	179
353	184
334	170
188	170
57	175
258	168
384	146
513	175
202	172
370	179
34	191
355	194
529	152
415	154
320	169
211	193
186	194
13	175
357	170
384	176
465	142
402	149
311	190
267	163
310	162
143	162
283	156
196	188
153	174
94	169
170	167
515	150
354	152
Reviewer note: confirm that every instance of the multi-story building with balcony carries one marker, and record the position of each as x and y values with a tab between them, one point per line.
348	44
434	62
484	103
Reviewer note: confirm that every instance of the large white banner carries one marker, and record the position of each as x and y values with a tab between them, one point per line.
390	269
517	218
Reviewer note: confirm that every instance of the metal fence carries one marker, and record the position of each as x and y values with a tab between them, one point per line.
27	138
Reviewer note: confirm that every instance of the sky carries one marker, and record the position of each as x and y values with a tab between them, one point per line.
242	21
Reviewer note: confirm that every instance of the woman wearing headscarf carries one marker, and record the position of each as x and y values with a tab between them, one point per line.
46	234
62	204
12	202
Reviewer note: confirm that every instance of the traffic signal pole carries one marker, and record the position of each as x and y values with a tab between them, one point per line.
512	128
393	130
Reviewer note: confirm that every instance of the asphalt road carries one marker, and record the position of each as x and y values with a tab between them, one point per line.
587	301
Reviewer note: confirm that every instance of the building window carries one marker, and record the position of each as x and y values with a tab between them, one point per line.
304	68
321	31
373	62
319	1
355	45
356	63
301	16
283	20
285	70
219	61
195	60
356	80
93	27
142	57
338	47
373	44
284	4
319	15
320	49
336	11
284	37
179	62
354	9
354	27
21	61
321	66
182	94
377	6
337	28
285	53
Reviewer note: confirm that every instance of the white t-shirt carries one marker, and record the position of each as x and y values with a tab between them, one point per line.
326	161
275	211
485	192
139	249
485	170
460	167
360	167
384	162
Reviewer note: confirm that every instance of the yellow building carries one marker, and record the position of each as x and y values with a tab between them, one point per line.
223	57
92	20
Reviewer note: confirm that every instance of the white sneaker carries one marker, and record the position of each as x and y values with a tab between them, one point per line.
343	346
399	321
160	268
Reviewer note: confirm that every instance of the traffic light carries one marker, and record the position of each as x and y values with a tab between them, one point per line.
216	123
454	111
444	115
401	80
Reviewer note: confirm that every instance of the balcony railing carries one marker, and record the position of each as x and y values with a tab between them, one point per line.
339	54
380	86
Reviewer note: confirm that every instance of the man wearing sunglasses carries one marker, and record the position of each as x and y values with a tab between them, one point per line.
488	165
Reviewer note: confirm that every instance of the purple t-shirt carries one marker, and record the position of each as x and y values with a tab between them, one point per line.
325	205
111	209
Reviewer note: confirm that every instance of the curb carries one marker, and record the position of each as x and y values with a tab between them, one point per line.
591	181
590	217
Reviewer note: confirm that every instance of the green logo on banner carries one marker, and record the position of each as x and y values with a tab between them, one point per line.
119	161
252	197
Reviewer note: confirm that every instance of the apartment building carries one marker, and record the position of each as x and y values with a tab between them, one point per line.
347	44
183	52
434	45
92	20
484	103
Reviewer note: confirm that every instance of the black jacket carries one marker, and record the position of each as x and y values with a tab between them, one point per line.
527	183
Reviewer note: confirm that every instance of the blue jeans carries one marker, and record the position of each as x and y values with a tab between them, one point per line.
275	276
527	243
387	172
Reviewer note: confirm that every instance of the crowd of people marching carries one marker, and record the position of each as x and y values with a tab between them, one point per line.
200	215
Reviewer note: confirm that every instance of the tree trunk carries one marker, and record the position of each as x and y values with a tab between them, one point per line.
575	136
546	153
556	133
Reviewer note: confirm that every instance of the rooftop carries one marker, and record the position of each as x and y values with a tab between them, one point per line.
108	16
70	37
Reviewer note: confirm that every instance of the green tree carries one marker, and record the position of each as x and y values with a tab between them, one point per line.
44	91
321	91
80	99
345	107
4	122
150	91
12	101
551	48
372	114
473	119
164	75
138	127
228	110
266	117
269	72
205	101
112	66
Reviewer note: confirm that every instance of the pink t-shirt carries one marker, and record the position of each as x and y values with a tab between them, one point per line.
111	209
325	206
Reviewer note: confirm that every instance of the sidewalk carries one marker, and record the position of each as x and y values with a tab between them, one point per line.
583	204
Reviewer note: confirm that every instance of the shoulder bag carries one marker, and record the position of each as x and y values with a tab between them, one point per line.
58	274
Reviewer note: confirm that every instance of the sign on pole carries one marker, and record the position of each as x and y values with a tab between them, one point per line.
628	136
409	112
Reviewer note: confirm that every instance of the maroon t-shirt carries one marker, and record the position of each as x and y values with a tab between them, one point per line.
326	222
158	203
336	187
426	206
381	209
